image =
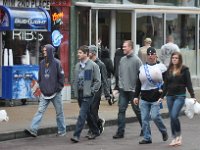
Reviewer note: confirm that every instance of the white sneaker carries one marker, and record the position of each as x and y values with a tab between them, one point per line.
173	142
178	140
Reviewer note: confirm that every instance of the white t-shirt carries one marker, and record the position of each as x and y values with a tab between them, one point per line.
166	52
155	72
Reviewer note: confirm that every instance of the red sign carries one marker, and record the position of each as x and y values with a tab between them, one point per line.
60	2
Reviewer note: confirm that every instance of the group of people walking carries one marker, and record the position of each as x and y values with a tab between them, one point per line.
143	84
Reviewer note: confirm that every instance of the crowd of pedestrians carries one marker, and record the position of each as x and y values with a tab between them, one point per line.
142	81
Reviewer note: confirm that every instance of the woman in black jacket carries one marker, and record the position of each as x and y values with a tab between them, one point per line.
177	79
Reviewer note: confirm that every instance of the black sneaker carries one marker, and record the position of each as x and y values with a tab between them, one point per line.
118	136
88	134
75	139
165	136
92	136
145	142
30	132
101	126
110	101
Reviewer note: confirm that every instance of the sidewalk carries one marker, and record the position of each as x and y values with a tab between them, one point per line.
20	118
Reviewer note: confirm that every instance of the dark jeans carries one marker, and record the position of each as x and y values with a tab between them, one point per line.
124	98
93	119
85	105
175	104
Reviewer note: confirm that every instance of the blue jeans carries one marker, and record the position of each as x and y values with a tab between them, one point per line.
151	110
85	105
124	98
175	104
58	105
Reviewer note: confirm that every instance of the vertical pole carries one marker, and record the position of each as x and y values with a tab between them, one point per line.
38	49
164	28
97	29
90	26
113	34
197	45
133	28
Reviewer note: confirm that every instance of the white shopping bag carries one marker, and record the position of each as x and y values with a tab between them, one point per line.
197	108
189	107
3	116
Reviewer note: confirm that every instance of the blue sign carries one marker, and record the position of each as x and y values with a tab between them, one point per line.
56	38
13	18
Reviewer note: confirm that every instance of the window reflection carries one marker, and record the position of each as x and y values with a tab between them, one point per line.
150	25
182	27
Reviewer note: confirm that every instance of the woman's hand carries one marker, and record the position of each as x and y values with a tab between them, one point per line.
136	101
160	100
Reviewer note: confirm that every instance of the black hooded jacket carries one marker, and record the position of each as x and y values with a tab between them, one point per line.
176	85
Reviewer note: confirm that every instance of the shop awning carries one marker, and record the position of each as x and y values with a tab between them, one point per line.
139	7
32	19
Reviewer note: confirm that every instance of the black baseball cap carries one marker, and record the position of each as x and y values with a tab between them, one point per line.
151	51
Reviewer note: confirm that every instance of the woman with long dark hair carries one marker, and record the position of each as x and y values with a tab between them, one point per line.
177	79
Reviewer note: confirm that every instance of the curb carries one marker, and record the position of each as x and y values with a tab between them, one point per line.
53	130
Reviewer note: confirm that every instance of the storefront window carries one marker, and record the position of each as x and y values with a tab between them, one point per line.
150	25
123	29
189	3
26	45
183	28
104	29
83	27
93	27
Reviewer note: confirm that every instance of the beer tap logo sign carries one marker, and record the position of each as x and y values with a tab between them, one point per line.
57	18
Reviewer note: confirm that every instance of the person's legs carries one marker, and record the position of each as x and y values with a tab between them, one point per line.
123	104
84	110
170	103
135	108
39	114
58	104
156	117
145	115
175	108
93	117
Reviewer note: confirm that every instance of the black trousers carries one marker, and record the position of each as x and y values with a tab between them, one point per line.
94	110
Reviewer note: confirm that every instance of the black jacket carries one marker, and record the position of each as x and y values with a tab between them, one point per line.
105	58
176	85
104	81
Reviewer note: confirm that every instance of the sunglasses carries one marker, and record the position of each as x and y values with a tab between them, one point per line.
151	54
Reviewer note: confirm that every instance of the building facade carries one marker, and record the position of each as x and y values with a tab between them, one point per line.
107	23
